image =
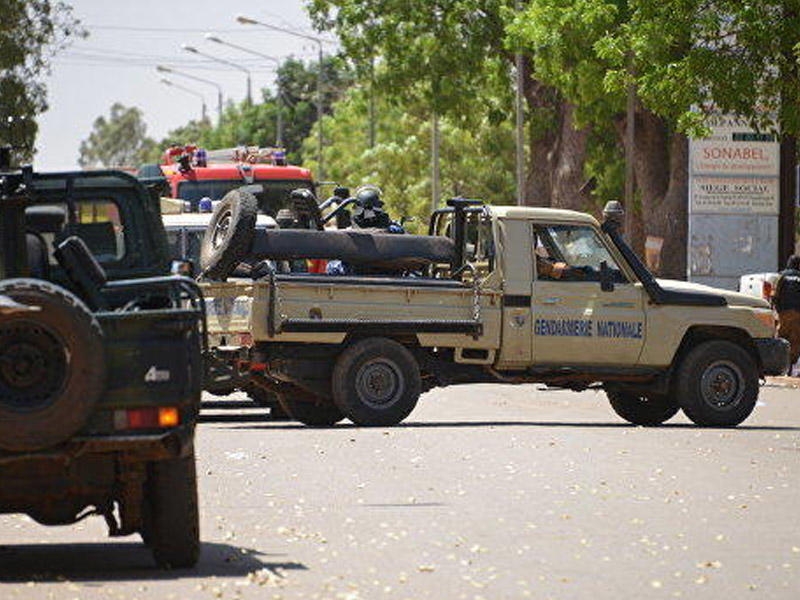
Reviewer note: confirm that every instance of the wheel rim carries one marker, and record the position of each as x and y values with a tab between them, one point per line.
221	229
722	385
379	383
33	366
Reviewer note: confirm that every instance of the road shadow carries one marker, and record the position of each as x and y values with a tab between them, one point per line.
227	404
535	424
262	417
120	561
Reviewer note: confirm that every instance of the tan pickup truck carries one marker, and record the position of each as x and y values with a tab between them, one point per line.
495	294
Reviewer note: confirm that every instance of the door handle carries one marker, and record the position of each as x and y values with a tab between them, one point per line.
551	300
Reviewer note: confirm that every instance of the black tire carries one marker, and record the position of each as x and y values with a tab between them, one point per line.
310	410
52	366
717	384
260	396
229	234
650	410
376	382
171	526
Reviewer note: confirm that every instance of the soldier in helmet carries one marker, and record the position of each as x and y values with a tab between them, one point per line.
786	301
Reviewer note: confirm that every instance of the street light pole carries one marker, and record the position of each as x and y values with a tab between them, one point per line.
194	50
279	118
170	70
248	21
520	122
166	81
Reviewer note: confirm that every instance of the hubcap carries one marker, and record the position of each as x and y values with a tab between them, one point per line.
33	366
722	385
379	383
221	230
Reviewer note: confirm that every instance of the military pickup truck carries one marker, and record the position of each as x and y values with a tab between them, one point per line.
100	377
492	294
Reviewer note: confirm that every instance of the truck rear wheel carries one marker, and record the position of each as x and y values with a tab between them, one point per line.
650	410
310	410
229	234
376	382
717	384
52	366
171	525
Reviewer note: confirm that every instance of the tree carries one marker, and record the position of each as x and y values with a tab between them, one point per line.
31	32
256	124
119	141
478	162
684	59
451	58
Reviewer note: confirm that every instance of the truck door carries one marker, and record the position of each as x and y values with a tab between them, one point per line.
575	322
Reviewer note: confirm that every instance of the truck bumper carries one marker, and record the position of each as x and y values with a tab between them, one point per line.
773	354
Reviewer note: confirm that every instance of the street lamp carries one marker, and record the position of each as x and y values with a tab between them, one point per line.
166	81
170	70
279	126
248	21
194	50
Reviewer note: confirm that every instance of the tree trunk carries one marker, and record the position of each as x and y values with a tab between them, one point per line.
557	149
570	155
662	177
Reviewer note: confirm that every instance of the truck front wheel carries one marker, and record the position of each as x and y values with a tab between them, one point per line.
717	384
650	410
171	520
376	382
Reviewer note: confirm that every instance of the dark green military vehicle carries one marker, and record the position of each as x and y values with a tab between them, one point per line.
100	361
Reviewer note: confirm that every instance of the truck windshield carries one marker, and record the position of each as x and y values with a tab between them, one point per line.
272	195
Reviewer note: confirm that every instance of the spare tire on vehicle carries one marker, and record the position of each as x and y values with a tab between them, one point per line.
229	234
52	366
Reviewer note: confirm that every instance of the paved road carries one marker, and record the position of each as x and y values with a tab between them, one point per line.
487	492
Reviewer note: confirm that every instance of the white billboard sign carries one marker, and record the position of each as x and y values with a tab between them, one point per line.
734	198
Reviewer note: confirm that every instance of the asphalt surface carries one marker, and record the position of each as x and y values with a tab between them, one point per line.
487	492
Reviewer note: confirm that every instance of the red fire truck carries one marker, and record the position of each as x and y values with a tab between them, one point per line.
195	173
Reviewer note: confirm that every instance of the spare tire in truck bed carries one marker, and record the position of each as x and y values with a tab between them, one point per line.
52	366
229	234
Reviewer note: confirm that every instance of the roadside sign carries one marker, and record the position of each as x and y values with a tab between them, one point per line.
734	200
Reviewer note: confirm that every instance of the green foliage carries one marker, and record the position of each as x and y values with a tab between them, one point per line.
119	141
475	162
256	124
681	55
445	56
31	32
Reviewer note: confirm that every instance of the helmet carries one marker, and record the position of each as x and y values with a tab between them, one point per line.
369	197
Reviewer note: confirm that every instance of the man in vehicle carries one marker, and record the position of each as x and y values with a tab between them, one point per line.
786	301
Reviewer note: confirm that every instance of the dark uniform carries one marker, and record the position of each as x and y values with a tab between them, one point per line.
787	302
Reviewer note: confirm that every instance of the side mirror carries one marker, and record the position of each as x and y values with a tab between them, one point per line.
183	267
606	278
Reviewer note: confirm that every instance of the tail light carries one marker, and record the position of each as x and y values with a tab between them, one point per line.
155	417
766	290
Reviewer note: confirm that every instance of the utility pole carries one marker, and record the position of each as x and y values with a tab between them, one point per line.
630	142
788	147
520	123
243	20
279	105
372	102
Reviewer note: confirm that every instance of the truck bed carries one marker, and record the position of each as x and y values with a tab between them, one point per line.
326	309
